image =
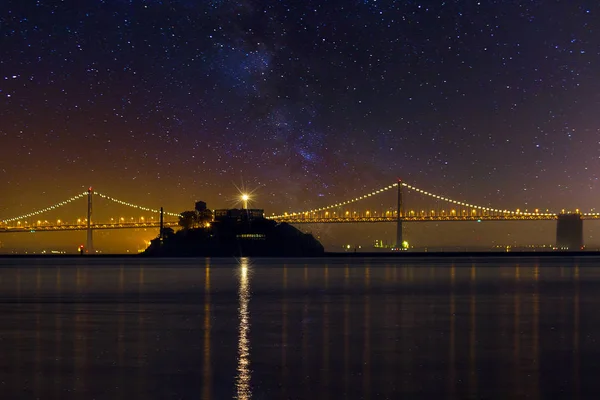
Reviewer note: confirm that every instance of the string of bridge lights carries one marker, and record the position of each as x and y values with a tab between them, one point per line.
43	210
373	193
472	206
152	210
351	201
77	197
415	189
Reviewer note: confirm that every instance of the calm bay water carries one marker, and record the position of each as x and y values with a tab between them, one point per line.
299	329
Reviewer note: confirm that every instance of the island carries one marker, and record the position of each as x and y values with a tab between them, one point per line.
232	232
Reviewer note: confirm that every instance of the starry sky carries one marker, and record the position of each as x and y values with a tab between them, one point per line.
308	102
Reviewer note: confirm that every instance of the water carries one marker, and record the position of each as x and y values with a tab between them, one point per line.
301	329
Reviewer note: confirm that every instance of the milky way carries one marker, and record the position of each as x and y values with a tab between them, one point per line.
495	102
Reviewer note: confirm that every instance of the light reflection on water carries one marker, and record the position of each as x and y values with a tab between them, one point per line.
243	368
207	375
328	329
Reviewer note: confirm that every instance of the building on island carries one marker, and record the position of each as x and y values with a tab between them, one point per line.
239	215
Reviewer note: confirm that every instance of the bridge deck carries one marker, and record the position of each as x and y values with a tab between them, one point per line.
67	227
480	218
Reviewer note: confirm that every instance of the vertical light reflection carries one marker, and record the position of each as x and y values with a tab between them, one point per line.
326	350
576	351
19	284
367	336
207	370
58	337
79	342
305	274
121	310
452	356
473	334
121	279
517	333
284	333
346	330
38	330
305	332
346	343
19	369
536	334
243	369
121	327
305	354
141	330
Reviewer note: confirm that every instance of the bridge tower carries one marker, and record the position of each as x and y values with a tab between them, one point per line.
399	217
90	237
162	224
569	232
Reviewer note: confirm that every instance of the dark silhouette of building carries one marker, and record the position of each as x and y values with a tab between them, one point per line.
200	206
239	215
237	233
569	232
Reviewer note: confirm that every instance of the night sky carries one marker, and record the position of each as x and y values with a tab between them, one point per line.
309	102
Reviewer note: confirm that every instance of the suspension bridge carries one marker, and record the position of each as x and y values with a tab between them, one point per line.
569	227
433	208
27	222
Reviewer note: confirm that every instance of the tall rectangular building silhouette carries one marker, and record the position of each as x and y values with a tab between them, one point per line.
569	232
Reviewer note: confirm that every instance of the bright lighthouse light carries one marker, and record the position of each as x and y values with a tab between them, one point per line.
245	198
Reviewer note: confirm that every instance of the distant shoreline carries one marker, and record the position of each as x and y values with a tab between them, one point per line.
399	254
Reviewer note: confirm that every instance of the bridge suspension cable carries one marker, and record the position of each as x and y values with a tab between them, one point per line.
43	210
472	206
152	210
415	189
343	203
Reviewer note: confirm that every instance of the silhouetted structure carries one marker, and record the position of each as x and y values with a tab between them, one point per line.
238	233
199	217
569	232
399	216
234	214
200	206
90	233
